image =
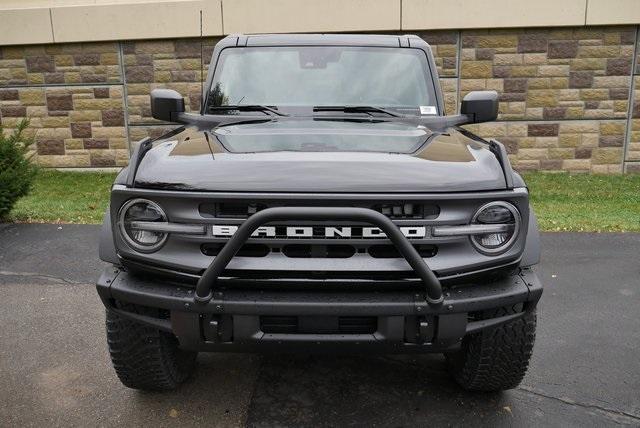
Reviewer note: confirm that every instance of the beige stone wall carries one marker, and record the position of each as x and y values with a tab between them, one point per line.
551	74
74	99
444	45
561	91
66	21
78	63
168	64
74	126
572	145
564	93
77	126
632	163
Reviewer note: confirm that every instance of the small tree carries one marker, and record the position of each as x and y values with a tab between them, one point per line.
16	169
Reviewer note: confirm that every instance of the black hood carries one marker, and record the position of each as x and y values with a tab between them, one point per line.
199	161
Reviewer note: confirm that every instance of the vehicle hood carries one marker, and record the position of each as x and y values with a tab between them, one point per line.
446	162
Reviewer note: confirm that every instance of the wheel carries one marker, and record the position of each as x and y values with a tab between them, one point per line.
146	358
495	359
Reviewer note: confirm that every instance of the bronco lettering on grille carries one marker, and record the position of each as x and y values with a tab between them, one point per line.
319	232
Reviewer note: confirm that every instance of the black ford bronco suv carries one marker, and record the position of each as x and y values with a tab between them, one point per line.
321	200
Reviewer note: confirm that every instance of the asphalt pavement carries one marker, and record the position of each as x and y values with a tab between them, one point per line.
55	369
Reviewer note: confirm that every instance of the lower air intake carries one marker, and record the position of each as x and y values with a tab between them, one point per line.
318	325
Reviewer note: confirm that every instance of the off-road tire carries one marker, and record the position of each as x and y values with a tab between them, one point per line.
146	358
495	359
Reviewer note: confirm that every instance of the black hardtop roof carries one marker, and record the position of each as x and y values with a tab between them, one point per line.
375	40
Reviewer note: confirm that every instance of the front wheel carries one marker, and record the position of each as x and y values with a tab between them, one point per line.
495	359
146	358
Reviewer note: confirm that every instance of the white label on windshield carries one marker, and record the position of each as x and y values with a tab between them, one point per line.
428	110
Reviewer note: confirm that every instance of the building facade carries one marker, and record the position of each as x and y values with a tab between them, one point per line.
567	72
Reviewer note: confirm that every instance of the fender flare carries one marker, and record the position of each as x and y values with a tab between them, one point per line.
531	254
106	248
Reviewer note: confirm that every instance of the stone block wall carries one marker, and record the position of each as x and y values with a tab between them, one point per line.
74	99
444	45
568	96
564	93
78	63
74	126
164	64
633	143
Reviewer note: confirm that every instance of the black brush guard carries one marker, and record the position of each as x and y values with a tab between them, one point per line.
206	285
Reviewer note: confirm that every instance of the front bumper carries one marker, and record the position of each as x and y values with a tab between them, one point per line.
233	319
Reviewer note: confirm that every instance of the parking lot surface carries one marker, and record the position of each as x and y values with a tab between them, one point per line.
55	369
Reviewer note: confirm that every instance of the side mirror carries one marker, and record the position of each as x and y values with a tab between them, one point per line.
166	104
481	106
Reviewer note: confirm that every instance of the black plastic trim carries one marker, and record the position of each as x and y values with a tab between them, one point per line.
500	152
141	149
476	326
138	153
160	324
238	312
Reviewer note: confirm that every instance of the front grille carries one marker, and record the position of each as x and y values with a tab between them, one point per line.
230	209
408	210
318	325
401	210
247	250
318	251
319	240
391	252
362	255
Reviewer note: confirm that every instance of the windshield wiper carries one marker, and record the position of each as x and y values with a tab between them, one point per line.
247	107
357	109
214	120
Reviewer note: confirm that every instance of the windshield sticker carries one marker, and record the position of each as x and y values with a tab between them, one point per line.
428	110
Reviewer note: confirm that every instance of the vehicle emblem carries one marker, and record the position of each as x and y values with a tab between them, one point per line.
319	232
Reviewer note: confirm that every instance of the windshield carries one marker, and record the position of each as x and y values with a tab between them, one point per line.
322	136
323	76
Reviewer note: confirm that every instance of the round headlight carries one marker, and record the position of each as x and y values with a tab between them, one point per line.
141	210
496	213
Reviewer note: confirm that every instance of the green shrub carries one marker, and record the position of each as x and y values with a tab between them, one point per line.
16	170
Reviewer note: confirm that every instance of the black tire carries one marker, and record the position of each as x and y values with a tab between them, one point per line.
146	358
495	359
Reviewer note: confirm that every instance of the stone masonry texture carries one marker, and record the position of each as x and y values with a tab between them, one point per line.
74	126
633	147
569	97
633	153
172	64
73	63
555	74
